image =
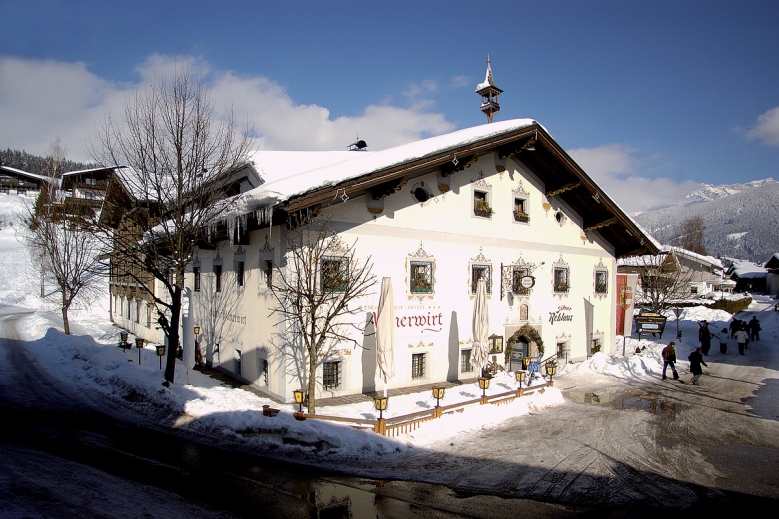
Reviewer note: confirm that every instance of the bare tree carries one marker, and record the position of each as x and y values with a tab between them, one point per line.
690	236
180	161
663	280
70	252
314	292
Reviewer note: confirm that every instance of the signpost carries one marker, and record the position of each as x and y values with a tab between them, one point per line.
650	322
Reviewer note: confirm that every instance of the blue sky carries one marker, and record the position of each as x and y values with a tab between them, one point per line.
649	97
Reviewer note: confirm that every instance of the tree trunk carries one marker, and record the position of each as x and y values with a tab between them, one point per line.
312	381
173	339
65	322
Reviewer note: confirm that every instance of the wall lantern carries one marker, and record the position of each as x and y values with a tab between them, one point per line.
197	330
299	398
381	405
495	343
160	352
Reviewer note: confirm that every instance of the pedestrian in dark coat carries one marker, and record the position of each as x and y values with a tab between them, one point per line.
704	336
696	359
733	327
754	329
669	359
723	341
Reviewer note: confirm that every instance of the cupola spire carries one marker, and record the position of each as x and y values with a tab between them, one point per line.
489	94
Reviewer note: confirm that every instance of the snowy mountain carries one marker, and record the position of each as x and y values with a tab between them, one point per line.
740	220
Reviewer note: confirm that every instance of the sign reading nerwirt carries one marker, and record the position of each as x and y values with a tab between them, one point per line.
650	322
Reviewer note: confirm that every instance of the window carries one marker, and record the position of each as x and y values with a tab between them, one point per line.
138	311
561	281
596	345
601	281
239	273
334	274
331	375
523	312
465	361
267	271
693	289
559	217
421	278
218	277
238	362
418	365
196	275
520	210
561	350
128	309
481	272
481	204
263	372
516	281
148	315
421	193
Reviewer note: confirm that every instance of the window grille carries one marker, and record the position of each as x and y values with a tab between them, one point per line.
334	274
421	278
218	277
138	311
479	272
239	273
148	315
601	282
418	365
561	280
263	372
465	361
267	270
331	375
560	350
196	275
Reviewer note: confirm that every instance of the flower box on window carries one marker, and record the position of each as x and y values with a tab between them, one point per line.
420	284
562	287
482	208
602	288
521	216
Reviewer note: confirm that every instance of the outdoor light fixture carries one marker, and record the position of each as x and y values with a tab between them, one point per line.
484	383
139	345
160	352
381	405
520	376
438	394
197	330
551	369
299	398
526	362
123	341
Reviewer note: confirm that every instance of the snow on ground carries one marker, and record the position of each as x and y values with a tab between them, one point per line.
90	362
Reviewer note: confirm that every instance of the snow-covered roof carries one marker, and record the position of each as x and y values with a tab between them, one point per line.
746	269
773	261
295	173
26	174
90	170
707	260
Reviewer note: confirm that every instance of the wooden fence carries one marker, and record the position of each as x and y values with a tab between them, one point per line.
397	425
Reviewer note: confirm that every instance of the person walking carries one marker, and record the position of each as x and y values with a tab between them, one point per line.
733	327
723	341
696	359
704	336
669	359
754	329
741	338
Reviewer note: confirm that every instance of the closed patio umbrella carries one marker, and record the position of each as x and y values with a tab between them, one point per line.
481	327
385	332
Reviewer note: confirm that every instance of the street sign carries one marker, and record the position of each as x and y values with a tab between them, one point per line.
650	322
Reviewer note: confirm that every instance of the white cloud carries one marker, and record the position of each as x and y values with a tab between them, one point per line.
767	128
462	81
41	100
614	168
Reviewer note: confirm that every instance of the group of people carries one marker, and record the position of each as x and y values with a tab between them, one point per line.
695	358
741	331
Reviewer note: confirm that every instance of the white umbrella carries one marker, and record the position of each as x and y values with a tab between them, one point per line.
481	327
385	332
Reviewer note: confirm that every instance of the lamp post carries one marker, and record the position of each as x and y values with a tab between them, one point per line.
438	394
299	398
677	311
139	345
380	402
123	341
198	355
484	383
551	369
160	352
520	376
